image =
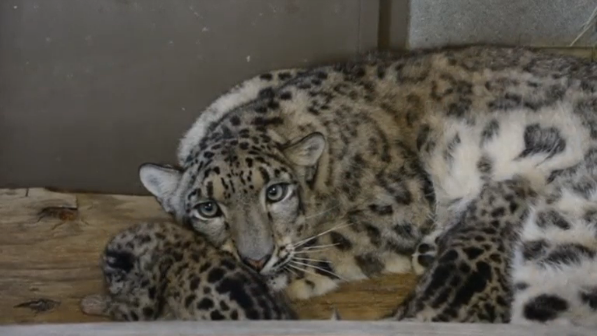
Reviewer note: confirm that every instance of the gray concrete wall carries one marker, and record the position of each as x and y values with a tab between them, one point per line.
90	89
519	22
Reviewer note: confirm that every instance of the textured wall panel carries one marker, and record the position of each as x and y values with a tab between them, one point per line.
90	89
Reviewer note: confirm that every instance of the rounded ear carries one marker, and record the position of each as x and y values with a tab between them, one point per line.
306	151
160	180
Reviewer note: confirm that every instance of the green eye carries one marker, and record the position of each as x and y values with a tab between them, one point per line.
276	193
208	209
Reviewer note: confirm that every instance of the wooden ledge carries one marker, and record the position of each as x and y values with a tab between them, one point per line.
51	243
272	328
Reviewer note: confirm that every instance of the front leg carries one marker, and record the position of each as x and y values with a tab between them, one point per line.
133	307
105	306
96	305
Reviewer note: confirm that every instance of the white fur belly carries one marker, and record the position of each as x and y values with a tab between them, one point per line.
502	144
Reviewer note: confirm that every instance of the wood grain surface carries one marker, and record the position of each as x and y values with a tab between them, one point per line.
49	253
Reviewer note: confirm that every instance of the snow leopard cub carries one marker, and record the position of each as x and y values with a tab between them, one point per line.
468	279
162	271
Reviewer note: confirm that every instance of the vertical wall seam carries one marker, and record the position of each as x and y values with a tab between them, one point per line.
359	27
393	24
384	24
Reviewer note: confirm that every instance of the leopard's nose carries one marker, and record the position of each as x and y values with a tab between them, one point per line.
257	264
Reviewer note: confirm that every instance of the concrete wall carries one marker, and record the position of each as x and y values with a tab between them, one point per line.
519	22
90	89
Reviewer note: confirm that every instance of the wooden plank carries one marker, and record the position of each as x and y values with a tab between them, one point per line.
360	301
583	52
12	193
244	328
48	263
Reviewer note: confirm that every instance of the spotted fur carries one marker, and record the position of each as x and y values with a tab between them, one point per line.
468	279
555	265
161	271
376	156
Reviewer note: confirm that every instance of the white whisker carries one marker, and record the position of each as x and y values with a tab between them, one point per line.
312	251
317	247
285	268
304	241
307	259
296	267
318	268
304	270
323	212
